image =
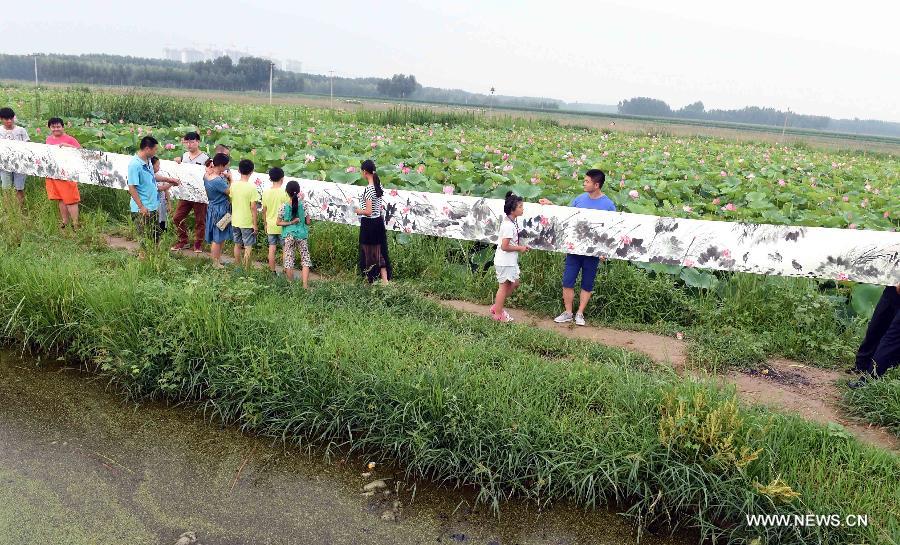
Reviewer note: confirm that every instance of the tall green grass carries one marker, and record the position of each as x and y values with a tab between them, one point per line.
513	411
410	115
747	319
133	106
878	401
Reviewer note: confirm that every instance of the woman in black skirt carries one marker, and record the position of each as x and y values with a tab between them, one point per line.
373	257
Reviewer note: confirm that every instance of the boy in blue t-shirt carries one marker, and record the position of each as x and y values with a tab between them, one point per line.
593	198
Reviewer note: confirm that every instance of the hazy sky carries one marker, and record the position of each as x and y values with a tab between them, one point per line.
832	58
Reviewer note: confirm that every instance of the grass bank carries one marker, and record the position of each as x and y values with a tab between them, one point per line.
879	402
742	321
513	411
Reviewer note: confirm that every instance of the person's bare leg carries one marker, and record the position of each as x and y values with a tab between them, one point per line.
304	272
568	299
248	254
384	278
63	214
289	274
583	301
237	254
21	196
73	214
272	257
215	251
500	298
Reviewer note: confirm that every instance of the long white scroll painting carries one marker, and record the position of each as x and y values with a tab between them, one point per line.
863	256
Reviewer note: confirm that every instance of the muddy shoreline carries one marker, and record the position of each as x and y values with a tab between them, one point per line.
80	465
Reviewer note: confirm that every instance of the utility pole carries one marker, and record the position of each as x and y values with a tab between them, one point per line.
35	71
271	72
331	78
785	123
491	102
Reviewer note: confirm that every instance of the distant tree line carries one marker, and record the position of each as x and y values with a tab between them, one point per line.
248	74
758	116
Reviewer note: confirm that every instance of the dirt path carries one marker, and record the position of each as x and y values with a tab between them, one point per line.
811	392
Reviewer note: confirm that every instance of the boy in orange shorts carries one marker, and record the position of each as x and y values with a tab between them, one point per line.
61	190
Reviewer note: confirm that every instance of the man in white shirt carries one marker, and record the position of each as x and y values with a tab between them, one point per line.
193	156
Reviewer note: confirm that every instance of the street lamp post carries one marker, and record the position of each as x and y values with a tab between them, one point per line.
271	73
491	101
331	85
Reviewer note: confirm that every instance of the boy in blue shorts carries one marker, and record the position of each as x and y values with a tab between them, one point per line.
587	265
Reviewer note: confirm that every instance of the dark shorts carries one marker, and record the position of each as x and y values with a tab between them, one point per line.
243	236
587	265
275	240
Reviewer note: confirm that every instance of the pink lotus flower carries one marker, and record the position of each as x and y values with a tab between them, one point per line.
723	173
621	183
374	145
405	170
38	130
535	180
634	194
170	146
218	127
687	209
394	193
311	129
487	164
351	169
505	156
716	201
688	262
782	183
726	253
843	276
507	168
224	125
846	198
208	131
420	169
605	153
851	226
730	207
448	190
625	240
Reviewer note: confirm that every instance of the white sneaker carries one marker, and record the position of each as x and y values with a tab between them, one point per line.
563	318
579	319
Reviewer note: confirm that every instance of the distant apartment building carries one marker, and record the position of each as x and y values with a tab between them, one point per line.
193	54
